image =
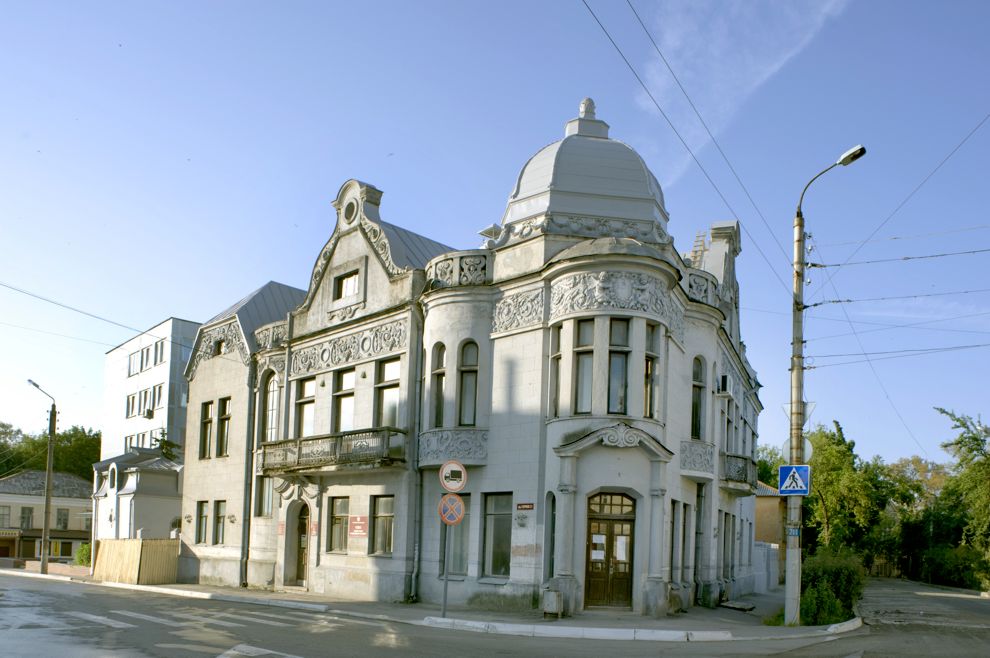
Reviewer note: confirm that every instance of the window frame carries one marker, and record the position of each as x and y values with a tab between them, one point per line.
439	381
62	518
270	408
223	427
698	388
556	332
343	397
205	429
467	386
202	520
651	350
386	387
584	368
382	523
264	495
305	407
493	528
219	522
618	353
338	520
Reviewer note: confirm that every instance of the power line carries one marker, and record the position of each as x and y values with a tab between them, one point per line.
908	197
899	356
981	227
884	299
911	325
684	143
902	258
711	136
52	333
906	352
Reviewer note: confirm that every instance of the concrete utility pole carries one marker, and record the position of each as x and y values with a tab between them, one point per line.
792	585
47	526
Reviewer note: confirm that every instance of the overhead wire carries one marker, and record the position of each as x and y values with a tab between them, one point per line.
685	144
918	236
900	258
895	297
899	356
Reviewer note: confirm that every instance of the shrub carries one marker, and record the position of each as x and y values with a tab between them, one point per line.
959	566
82	555
831	583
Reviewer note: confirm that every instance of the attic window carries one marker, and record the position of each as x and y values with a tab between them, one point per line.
345	285
349	211
220	347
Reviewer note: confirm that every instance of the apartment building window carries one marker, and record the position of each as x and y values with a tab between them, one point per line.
219	520
160	351
584	358
158	396
27	518
265	493
223	426
201	520
697	397
337	525
305	406
468	388
144	401
141	440
271	405
205	430
61	519
498	534
383	522
459	536
343	400
650	370
439	381
555	371
387	393
618	365
133	364
345	285
4	516
146	358
132	402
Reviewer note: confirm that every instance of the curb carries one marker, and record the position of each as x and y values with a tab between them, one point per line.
31	574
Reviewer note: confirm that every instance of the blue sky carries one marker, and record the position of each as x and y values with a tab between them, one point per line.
213	137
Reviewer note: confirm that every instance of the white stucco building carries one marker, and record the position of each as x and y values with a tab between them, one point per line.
591	379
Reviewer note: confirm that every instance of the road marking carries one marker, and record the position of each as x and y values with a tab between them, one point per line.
248	650
206	620
106	621
157	620
245	617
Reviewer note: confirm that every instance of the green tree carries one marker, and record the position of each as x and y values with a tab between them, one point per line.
168	449
768	460
76	450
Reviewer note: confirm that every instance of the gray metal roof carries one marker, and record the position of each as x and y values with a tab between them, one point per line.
763	489
138	458
32	483
411	249
269	303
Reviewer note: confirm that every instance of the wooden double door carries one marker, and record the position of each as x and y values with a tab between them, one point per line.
609	558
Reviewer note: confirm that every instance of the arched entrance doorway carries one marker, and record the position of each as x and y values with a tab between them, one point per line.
608	570
302	545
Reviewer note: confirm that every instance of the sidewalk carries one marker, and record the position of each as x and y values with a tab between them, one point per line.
699	624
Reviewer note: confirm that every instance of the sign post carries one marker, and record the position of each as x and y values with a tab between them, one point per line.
453	478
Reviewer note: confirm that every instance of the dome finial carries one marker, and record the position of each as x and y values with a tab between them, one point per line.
587	109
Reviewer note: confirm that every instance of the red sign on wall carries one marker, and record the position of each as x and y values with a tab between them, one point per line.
281	528
357	526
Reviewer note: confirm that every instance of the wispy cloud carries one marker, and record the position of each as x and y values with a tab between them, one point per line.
722	51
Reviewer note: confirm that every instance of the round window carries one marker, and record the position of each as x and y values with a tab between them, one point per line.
350	210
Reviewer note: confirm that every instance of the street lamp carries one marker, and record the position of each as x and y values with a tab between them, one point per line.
46	528
792	587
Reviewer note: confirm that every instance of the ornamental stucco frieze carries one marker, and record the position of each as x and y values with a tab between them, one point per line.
697	456
621	436
607	227
619	291
472	270
469	446
276	363
459	269
366	344
271	335
209	340
376	236
519	310
700	289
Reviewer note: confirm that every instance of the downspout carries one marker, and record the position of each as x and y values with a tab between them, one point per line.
417	357
248	473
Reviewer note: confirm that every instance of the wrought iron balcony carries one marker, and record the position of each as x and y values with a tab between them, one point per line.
378	446
738	474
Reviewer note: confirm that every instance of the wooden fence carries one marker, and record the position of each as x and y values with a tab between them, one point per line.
137	561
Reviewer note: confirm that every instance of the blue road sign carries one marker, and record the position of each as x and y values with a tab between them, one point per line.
794	479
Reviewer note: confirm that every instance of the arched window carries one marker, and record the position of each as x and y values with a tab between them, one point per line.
468	385
270	406
697	397
439	379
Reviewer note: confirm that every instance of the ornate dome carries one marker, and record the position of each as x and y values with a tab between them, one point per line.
587	174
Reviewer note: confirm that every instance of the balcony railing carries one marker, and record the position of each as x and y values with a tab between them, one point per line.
739	468
377	446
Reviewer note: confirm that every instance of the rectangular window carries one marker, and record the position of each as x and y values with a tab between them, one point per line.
343	400
223	426
133	364
265	490
439	382
345	285
4	516
555	371
141	440
62	519
158	396
650	371
129	441
132	405
383	513
146	358
88	524
144	400
337	525
387	393
205	430
583	365
219	520
498	534
618	361
305	407
459	535
468	389
201	519
160	351
65	550
27	518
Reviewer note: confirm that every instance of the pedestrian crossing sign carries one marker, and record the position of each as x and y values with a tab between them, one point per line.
794	479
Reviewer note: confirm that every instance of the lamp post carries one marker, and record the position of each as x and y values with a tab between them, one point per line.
46	528
792	588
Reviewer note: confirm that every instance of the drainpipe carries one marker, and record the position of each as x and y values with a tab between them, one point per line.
413	445
248	473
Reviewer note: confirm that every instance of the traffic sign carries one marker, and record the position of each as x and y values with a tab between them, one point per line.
453	476
794	479
451	509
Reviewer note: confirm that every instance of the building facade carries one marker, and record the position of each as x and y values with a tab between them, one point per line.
22	515
590	378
